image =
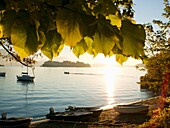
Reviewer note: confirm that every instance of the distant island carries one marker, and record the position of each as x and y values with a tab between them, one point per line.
64	64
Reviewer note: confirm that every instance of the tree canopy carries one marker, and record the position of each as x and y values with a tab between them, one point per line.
92	26
158	49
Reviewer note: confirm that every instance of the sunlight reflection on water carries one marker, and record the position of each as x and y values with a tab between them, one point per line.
93	86
110	82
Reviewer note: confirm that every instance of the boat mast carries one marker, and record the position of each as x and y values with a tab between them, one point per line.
27	68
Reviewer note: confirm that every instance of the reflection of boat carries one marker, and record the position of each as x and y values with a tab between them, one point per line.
25	76
14	122
66	73
69	115
2	73
96	110
131	109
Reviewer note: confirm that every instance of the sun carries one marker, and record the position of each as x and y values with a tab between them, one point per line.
111	61
107	61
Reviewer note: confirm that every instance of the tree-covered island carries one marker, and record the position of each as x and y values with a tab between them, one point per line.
64	64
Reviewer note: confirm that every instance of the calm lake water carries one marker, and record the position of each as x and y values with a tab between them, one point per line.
93	86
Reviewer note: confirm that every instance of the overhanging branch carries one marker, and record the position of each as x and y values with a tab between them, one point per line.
12	53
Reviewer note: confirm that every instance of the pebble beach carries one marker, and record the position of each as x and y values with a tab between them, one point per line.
109	118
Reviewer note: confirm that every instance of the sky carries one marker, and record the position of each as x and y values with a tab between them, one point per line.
145	11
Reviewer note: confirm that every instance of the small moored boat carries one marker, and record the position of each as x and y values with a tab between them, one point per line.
96	110
66	72
69	115
25	76
14	122
131	109
2	73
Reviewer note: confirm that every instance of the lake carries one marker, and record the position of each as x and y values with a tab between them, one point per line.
95	86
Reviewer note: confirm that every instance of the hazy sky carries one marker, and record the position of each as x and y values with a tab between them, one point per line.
145	11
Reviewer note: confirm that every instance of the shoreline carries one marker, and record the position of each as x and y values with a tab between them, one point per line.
109	117
104	107
133	102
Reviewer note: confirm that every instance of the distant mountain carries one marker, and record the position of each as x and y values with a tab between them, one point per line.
64	64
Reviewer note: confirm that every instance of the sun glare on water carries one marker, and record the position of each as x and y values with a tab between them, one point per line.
110	83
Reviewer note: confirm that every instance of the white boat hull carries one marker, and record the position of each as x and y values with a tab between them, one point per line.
131	109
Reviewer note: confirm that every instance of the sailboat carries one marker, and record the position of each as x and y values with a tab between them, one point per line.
25	76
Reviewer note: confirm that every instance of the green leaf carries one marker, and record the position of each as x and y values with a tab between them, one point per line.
6	22
80	48
1	31
19	38
121	58
41	38
92	51
67	22
40	34
116	50
25	44
85	23
88	41
32	42
23	35
106	37
46	24
115	20
133	39
53	45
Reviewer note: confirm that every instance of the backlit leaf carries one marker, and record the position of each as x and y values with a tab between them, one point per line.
7	20
40	34
80	48
53	44
1	31
32	43
121	58
106	37
67	22
85	23
115	20
41	38
88	41
133	39
92	51
46	24
25	44
18	37
115	50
